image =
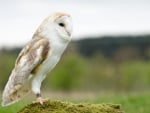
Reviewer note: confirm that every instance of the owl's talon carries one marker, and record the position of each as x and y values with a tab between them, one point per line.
40	100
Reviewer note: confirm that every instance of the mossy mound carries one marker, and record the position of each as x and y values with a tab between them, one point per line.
64	107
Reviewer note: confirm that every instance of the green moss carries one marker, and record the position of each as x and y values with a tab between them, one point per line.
64	107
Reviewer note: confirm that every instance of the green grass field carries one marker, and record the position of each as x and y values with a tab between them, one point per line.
130	103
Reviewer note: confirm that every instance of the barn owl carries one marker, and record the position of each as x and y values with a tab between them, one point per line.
38	58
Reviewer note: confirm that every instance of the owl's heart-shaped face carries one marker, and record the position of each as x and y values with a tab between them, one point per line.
57	25
63	26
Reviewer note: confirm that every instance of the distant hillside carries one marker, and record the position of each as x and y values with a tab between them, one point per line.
97	63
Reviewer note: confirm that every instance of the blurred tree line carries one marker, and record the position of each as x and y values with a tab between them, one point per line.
113	46
102	63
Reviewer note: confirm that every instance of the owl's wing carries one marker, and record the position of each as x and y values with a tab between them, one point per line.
27	63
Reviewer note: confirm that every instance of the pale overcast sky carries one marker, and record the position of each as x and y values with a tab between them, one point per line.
20	18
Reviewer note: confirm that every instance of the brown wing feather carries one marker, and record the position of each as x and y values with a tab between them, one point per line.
34	53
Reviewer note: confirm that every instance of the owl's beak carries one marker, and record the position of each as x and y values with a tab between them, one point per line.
69	34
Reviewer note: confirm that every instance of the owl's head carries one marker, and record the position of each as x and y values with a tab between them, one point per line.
59	24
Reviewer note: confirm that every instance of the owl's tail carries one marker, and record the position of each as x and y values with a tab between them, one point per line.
14	92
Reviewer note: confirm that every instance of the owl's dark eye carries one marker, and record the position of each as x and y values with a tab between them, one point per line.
62	24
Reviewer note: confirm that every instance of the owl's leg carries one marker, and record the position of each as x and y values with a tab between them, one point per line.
36	85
